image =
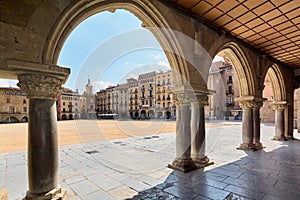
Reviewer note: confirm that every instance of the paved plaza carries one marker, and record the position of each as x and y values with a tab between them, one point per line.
135	168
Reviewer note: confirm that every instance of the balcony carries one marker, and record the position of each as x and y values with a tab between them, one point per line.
229	92
142	97
229	81
150	88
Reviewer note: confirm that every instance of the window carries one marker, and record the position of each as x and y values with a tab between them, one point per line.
11	109
7	92
91	107
229	79
23	94
24	101
8	100
24	109
64	103
229	69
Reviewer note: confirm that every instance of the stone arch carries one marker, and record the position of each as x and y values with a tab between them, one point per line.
24	119
146	11
277	80
232	52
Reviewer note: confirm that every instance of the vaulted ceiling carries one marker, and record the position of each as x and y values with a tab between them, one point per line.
272	26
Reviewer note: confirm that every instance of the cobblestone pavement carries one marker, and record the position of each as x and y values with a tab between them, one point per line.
135	168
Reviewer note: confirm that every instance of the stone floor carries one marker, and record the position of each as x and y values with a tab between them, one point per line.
135	168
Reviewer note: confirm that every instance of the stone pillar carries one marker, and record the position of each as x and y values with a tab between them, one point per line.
256	125
247	126
279	108
198	131
183	161
42	91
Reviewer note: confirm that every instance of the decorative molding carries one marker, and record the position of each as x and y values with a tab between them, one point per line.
279	107
40	86
184	98
200	99
246	105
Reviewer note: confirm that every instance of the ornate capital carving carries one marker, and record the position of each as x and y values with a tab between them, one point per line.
246	105
40	86
279	107
183	98
257	104
200	99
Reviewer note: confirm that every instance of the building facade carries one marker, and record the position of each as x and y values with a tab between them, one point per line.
165	105
13	105
146	95
68	105
149	96
222	80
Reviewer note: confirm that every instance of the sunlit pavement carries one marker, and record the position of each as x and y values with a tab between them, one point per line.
136	168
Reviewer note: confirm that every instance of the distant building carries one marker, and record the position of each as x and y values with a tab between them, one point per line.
146	95
88	103
150	96
133	106
267	114
68	105
165	105
13	105
223	80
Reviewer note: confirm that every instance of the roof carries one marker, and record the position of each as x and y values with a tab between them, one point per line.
271	26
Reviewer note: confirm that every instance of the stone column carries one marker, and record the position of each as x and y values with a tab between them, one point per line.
183	161
42	91
256	124
279	108
198	131
247	126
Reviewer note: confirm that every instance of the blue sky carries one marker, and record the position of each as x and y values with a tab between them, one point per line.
108	48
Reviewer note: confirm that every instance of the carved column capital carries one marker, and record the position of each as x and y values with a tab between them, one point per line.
40	86
257	104
246	105
200	99
183	98
279	107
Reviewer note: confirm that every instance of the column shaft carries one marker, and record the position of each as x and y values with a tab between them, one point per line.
198	132
279	125
42	146
183	161
183	138
247	130
256	128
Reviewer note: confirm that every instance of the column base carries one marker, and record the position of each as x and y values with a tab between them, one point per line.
3	194
258	145
184	165
55	194
202	162
289	138
280	138
247	147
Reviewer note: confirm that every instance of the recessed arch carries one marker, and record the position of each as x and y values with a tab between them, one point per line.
234	54
277	80
144	10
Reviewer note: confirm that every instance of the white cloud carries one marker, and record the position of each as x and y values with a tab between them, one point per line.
126	63
164	63
98	85
8	83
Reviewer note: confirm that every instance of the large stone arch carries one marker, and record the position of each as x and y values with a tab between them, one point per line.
78	11
277	80
238	59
